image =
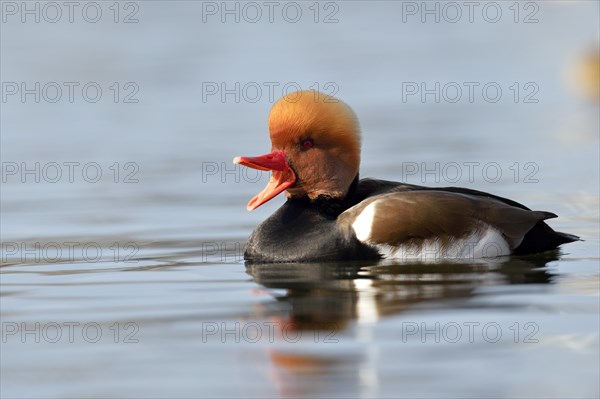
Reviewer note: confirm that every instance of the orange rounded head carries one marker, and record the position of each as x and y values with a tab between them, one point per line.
315	148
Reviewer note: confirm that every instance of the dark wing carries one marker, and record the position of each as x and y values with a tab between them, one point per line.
414	216
539	238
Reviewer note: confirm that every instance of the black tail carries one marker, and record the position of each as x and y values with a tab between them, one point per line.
542	238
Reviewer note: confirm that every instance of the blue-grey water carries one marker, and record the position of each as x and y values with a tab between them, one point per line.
123	218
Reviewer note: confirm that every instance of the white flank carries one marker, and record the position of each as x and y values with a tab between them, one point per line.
486	242
363	223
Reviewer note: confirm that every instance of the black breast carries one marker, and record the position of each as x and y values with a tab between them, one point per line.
302	231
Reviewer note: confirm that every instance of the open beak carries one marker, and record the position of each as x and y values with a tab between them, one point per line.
283	176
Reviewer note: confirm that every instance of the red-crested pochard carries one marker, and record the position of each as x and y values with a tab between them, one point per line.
332	215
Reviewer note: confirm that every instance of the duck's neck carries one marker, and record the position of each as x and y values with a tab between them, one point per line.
331	207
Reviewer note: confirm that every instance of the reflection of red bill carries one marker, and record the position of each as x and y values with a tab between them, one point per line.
282	177
309	362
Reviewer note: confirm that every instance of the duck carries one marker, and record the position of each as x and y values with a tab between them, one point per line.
332	215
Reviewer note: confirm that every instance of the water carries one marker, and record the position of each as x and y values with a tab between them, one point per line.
135	277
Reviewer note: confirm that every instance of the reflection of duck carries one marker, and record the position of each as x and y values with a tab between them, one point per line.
326	296
331	215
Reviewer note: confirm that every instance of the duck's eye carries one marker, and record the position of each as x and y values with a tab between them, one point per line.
307	144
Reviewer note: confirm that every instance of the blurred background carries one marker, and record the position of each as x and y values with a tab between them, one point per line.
120	204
